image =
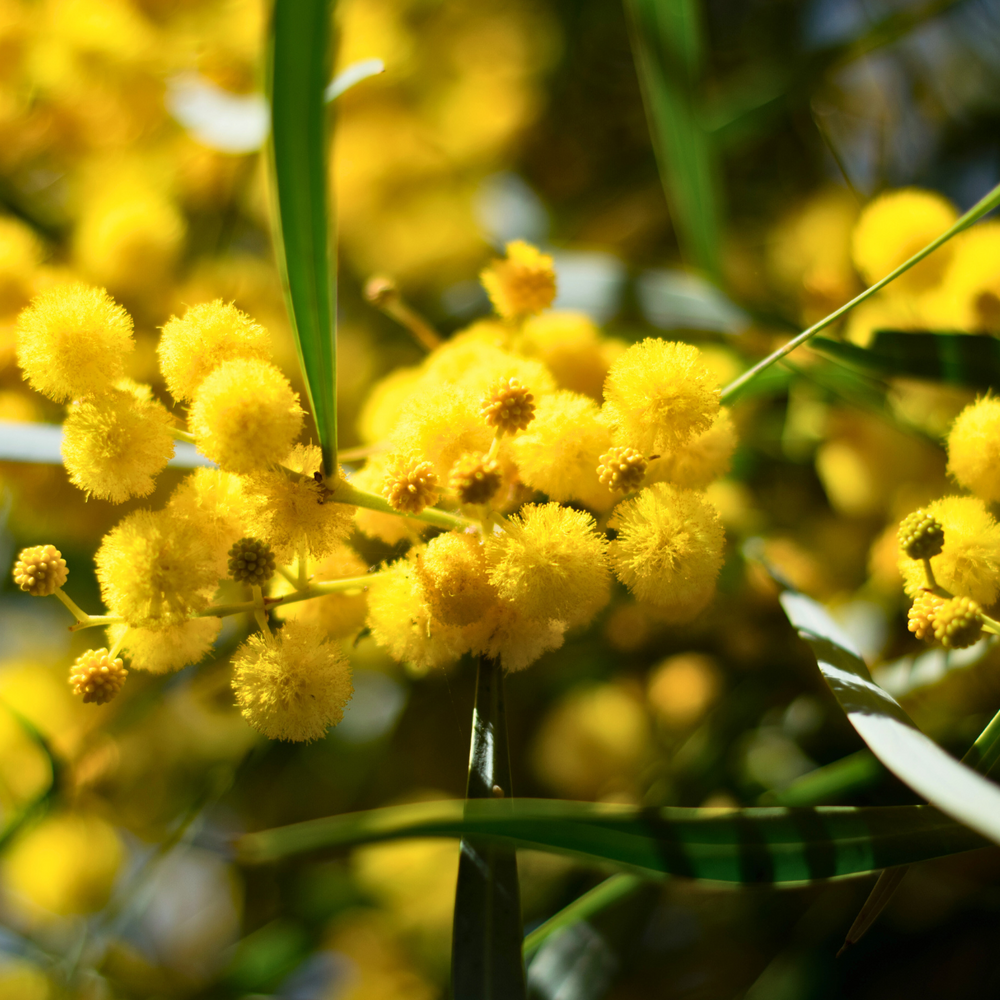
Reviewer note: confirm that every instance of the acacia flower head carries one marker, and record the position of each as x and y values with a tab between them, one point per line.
452	569
96	677
522	283
410	485
72	341
162	650
293	686
475	478
974	448
40	570
508	406
622	469
958	623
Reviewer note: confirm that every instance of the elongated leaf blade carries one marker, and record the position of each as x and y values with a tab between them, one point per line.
486	962
666	43
916	760
964	359
300	40
766	845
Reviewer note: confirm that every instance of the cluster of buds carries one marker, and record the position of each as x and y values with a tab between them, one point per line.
251	561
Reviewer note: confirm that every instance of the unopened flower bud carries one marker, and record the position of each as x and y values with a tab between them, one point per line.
410	485
508	406
475	478
40	570
380	290
97	677
622	469
958	623
921	615
921	535
251	561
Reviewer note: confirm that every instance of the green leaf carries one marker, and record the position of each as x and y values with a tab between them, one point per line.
486	959
841	778
916	760
964	359
41	803
303	222
766	845
666	44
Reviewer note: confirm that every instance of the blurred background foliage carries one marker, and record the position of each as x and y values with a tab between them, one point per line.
129	138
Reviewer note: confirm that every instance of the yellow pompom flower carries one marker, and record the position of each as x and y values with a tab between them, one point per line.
294	686
339	615
400	618
969	563
245	415
569	344
669	549
384	404
20	254
659	395
72	341
550	562
700	461
290	513
64	866
894	227
160	651
970	288
515	638
116	444
974	448
522	283
193	346
154	569
213	502
560	451
452	569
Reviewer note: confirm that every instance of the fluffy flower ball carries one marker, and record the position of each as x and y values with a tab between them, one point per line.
522	283
658	395
245	415
974	448
162	650
154	569
669	549
969	563
72	341
194	345
550	563
115	445
453	571
294	686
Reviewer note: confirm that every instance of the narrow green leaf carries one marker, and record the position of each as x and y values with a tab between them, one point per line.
486	960
766	845
40	804
985	205
302	227
666	45
964	359
841	778
955	789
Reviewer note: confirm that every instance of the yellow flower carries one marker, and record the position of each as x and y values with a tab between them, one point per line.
289	513
96	677
20	254
410	484
702	460
213	503
669	549
245	415
40	570
193	346
162	650
522	283
294	686
385	402
894	227
570	345
560	451
116	444
969	563
971	285
452	569
72	341
974	448
659	395
550	563
389	528
154	570
516	638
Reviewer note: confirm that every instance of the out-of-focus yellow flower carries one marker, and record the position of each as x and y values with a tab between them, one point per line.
703	459
570	345
162	650
293	686
521	284
894	227
21	252
212	502
669	549
64	866
885	312
72	341
338	615
22	981
593	743
971	285
974	448
969	563
658	395
682	688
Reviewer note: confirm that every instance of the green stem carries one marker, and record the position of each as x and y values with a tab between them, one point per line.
180	435
75	610
601	896
343	492
984	205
